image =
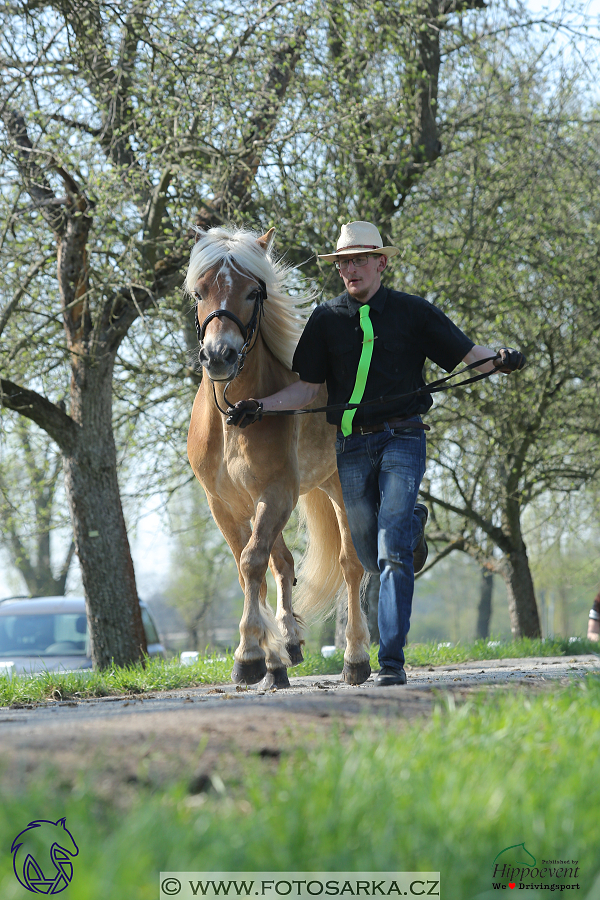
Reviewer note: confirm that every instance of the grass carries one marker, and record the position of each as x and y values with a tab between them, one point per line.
161	675
440	654
446	795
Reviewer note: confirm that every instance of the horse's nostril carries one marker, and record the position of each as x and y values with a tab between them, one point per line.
220	356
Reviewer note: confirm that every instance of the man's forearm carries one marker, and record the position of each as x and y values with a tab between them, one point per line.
294	396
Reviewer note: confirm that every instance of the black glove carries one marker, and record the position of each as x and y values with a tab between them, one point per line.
508	360
245	412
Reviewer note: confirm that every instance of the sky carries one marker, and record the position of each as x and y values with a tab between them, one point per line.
150	548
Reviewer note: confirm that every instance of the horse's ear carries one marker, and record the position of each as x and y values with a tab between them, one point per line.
195	233
265	240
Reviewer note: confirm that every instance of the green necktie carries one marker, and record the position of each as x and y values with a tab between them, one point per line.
363	368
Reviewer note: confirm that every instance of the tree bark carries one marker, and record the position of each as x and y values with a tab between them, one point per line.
99	531
484	610
522	606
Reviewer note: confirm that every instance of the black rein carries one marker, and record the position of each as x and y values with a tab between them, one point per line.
434	387
253	327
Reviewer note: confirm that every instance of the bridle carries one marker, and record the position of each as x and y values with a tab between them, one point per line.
249	331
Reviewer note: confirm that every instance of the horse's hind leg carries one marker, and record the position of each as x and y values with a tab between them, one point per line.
357	666
282	567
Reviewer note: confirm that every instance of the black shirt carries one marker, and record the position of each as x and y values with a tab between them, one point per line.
407	330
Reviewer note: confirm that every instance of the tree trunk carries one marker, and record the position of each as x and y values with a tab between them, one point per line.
101	542
522	607
484	610
40	578
563	605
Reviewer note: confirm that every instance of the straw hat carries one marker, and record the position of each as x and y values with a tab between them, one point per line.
359	237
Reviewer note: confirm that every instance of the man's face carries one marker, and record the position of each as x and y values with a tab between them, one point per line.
364	281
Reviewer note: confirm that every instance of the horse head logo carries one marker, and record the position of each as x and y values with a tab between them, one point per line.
520	855
41	856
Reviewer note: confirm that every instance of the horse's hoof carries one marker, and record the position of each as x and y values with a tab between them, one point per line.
294	652
248	673
356	673
275	680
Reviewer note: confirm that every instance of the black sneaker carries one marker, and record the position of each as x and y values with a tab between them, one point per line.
421	551
389	676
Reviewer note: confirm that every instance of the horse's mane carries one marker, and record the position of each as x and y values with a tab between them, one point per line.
284	316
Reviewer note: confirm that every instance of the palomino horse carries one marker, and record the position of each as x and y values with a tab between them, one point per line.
248	328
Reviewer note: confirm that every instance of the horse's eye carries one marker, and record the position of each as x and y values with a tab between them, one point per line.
253	295
197	296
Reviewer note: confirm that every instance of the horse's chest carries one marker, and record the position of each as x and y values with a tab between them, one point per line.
232	479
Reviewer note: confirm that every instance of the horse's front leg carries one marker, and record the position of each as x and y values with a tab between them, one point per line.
290	625
261	655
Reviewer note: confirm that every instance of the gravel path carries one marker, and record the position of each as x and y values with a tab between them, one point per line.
195	733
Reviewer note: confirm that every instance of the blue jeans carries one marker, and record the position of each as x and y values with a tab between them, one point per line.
380	476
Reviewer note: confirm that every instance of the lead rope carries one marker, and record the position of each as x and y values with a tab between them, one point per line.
433	387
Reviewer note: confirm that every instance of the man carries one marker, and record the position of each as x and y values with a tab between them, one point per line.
368	343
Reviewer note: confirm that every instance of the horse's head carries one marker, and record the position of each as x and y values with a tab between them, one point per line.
228	298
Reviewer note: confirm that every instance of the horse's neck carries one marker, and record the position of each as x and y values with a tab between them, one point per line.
262	375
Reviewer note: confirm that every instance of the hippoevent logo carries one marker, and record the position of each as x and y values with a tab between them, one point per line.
516	868
42	856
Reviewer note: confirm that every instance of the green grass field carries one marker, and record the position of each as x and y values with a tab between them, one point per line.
159	675
445	794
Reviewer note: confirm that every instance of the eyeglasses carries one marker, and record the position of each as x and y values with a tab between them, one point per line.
357	261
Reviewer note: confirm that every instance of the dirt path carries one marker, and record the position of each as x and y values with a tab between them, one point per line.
198	733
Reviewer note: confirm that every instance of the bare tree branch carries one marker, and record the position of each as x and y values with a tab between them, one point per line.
33	270
40	410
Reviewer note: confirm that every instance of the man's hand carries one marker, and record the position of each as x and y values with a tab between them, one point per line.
245	412
508	360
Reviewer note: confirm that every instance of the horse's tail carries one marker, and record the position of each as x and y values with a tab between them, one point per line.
320	574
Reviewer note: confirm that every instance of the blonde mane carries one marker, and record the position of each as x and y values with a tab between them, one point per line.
284	316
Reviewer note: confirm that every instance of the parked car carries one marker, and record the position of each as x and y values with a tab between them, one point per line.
51	633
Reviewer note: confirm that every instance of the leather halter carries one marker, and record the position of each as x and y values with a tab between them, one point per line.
248	331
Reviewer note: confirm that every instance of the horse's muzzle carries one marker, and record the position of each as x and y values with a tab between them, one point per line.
220	360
